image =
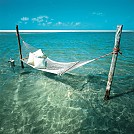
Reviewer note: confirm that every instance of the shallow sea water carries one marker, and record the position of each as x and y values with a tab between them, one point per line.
35	102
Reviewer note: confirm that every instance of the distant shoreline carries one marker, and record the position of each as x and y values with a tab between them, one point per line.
55	31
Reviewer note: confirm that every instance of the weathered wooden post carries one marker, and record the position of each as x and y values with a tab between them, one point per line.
17	33
113	62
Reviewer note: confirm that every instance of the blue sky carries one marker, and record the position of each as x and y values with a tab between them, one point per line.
66	14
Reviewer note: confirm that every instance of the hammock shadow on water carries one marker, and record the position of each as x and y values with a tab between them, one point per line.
77	82
27	72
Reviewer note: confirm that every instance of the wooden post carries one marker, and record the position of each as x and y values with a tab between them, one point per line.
113	62
17	33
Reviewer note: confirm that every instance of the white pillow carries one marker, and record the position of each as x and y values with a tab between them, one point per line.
38	53
31	58
39	62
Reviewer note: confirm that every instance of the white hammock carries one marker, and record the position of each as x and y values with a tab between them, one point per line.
58	68
52	66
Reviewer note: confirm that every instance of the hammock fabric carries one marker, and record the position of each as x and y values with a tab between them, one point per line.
41	62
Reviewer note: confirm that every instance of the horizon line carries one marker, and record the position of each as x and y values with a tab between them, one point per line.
45	31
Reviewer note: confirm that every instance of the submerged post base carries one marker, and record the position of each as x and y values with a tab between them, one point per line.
107	95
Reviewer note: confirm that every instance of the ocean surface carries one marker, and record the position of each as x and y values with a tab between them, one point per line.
35	102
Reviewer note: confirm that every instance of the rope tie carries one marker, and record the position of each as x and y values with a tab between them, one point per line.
116	51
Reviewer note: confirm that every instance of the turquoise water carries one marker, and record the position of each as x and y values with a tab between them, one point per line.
34	102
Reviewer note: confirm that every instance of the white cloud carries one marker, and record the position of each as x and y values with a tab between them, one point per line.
46	24
77	23
97	13
49	23
40	19
67	23
43	24
46	17
59	23
24	18
19	22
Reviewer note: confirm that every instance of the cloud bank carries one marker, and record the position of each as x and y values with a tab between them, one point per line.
46	21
